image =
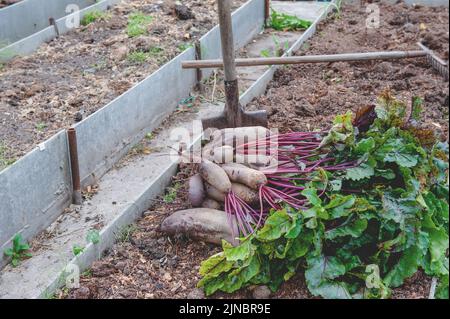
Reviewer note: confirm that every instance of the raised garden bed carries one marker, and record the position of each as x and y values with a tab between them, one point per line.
147	264
74	75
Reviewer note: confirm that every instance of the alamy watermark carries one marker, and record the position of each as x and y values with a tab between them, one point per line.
373	18
73	18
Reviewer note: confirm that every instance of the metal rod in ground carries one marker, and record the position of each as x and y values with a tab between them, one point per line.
199	73
266	12
345	57
74	166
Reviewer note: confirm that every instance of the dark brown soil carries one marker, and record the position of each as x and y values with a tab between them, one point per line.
146	264
307	97
73	76
151	265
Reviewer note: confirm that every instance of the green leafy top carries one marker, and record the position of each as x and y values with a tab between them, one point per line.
374	225
285	22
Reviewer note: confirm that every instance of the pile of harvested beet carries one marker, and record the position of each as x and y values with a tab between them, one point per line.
243	174
359	208
228	181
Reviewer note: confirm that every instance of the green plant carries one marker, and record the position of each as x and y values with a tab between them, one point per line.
265	53
93	16
184	46
18	251
5	161
361	230
171	194
41	126
138	23
137	57
278	50
158	54
337	7
87	273
93	236
76	250
286	22
125	233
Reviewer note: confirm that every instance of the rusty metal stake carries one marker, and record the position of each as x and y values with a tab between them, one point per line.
77	199
199	72
266	12
52	22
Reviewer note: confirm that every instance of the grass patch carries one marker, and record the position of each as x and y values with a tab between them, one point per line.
171	194
137	57
184	46
4	160
125	233
137	24
40	126
93	16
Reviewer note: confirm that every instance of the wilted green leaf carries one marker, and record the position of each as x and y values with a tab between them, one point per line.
405	268
276	226
353	229
240	252
361	172
215	265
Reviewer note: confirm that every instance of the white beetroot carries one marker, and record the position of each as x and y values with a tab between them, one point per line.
223	154
238	136
205	224
239	173
214	175
214	193
258	160
196	192
245	193
211	204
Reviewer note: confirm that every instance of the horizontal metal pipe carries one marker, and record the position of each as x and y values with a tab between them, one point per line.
385	55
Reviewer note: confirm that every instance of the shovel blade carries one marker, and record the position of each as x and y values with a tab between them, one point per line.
253	118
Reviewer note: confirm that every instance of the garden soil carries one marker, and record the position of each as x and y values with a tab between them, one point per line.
72	76
146	264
